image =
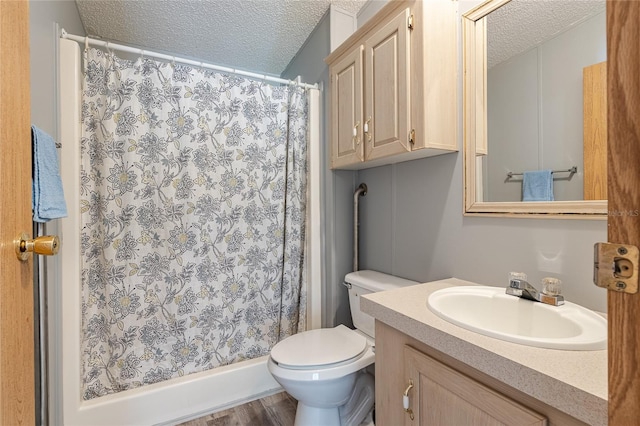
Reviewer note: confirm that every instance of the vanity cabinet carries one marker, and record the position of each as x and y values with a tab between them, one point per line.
445	390
441	395
393	86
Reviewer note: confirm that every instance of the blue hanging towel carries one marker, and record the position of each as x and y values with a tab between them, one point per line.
537	186
48	197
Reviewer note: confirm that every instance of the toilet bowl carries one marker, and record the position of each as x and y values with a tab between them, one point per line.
325	369
319	368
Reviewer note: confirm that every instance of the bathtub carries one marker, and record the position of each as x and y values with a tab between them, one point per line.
167	402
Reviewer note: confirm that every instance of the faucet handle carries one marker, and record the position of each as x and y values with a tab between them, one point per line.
551	286
517	276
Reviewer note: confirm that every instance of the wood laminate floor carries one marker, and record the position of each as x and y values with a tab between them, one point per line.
274	410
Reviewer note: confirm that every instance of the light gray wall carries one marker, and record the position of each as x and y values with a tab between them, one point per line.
369	9
43	16
535	118
412	225
411	221
512	126
337	186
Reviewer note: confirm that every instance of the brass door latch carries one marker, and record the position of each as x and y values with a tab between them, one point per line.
615	267
47	245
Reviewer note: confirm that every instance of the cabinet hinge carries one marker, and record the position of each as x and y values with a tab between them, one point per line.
410	22
412	136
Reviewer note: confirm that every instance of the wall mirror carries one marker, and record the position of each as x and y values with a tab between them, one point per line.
534	102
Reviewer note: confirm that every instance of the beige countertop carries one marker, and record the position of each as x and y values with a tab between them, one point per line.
574	382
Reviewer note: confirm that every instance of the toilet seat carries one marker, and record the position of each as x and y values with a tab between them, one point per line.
321	348
331	371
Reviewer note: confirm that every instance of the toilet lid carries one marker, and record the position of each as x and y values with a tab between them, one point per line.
315	348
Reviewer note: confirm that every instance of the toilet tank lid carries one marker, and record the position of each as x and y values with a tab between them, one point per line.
376	281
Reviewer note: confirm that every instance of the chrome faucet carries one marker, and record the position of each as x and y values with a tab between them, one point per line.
521	288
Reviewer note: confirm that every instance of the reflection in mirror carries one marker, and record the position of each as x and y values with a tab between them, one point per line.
536	101
536	55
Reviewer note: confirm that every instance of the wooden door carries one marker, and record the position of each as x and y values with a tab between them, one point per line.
442	396
594	83
17	396
623	117
386	73
346	110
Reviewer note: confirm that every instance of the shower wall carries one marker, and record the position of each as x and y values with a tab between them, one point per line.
44	19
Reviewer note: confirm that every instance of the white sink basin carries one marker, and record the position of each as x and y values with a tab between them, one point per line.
489	311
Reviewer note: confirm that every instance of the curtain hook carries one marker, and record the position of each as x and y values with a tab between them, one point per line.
86	54
110	53
173	62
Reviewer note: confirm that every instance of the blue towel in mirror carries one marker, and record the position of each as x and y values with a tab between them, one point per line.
47	196
537	185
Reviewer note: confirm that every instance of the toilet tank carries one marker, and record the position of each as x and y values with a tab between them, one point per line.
365	282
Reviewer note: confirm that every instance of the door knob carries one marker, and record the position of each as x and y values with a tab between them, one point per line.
47	245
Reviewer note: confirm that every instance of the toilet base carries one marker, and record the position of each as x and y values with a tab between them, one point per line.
314	416
351	413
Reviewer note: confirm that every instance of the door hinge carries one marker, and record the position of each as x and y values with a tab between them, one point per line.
412	136
410	22
615	267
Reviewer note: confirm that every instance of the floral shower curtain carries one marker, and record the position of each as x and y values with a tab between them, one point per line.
193	191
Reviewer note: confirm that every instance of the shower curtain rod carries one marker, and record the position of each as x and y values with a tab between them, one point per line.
143	52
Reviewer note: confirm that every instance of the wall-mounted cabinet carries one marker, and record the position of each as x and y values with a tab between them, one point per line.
393	86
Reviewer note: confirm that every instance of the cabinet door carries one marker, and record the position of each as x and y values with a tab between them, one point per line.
387	110
346	110
443	396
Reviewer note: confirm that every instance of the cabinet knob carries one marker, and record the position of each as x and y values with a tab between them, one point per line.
355	133
366	128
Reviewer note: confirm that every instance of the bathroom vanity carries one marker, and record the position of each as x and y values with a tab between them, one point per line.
453	370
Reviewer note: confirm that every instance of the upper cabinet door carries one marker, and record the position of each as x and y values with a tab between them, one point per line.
346	110
407	94
387	109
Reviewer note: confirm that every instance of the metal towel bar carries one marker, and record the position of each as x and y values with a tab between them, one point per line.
573	170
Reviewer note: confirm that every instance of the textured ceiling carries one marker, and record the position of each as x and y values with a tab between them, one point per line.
522	24
253	35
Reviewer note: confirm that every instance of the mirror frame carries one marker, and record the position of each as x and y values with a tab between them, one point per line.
475	132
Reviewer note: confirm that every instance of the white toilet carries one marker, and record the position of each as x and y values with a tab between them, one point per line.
324	369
